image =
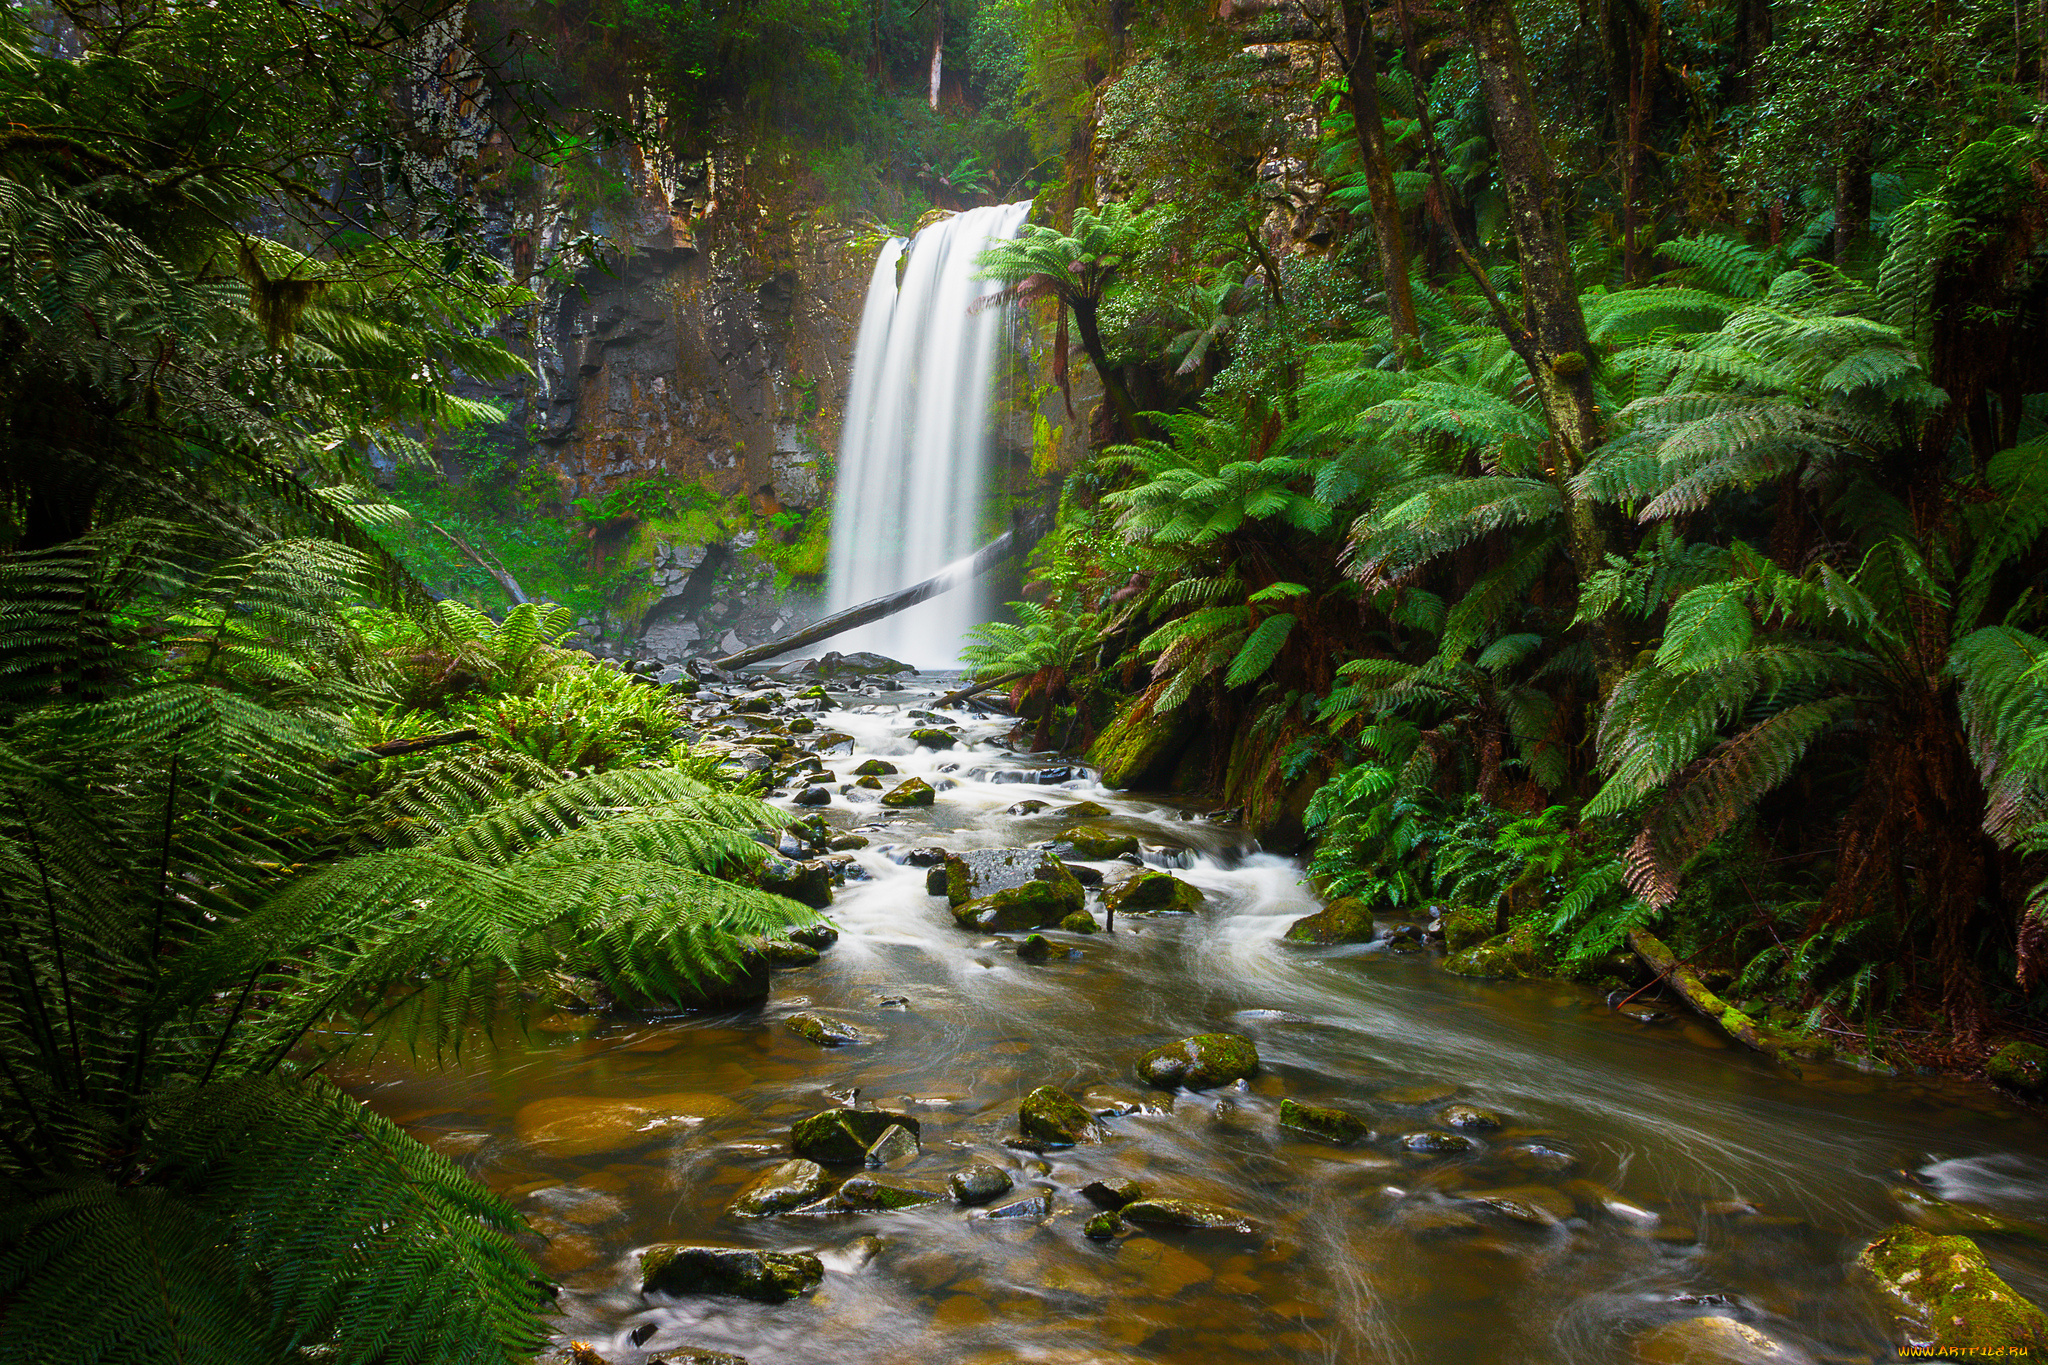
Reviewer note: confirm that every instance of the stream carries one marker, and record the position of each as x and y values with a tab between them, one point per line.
1645	1171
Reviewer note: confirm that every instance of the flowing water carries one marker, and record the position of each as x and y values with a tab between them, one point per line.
914	447
1653	1172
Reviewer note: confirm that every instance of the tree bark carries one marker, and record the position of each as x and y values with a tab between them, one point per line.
1852	190
987	557
1112	383
1554	344
938	53
1362	96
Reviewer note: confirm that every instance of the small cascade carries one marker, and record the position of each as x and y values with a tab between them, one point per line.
915	444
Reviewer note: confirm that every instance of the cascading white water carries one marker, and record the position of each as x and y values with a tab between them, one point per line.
913	451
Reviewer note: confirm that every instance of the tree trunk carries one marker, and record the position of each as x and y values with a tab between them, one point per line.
1009	543
1554	345
1363	98
1852	190
938	52
1112	382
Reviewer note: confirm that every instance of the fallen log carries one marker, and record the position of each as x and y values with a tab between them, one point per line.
955	698
399	748
1012	542
1687	983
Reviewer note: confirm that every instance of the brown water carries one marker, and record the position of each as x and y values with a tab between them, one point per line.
1682	1176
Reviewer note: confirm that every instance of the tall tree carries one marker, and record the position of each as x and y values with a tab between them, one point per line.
1390	236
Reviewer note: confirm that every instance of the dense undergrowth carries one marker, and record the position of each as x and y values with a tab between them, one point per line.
1661	552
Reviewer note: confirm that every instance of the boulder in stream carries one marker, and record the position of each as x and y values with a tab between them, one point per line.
1033	890
876	767
978	1184
1189	1214
1080	922
1334	1125
786	952
822	1030
1344	920
841	1137
1051	1116
865	1193
765	1276
1112	1194
1094	843
1035	948
1943	1294
809	883
1103	1226
896	1146
1466	926
782	1189
915	792
1201	1062
1084	810
1153	893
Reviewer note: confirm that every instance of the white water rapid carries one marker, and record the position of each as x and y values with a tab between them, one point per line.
915	444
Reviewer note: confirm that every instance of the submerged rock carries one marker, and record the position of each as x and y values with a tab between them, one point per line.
1187	1213
816	1028
579	1125
1940	1216
1944	1295
1031	1206
1436	1142
782	1189
1344	920
1094	843
1153	893
841	1137
765	1276
978	1184
1201	1062
1536	1205
1469	1118
915	792
1332	1124
1711	1341
1052	1116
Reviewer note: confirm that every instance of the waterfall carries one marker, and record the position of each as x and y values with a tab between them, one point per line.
914	447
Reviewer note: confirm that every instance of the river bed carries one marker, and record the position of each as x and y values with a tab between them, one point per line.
1644	1172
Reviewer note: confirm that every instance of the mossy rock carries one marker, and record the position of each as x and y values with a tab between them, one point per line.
1188	1214
764	1276
1943	1294
841	1137
873	784
1051	1116
864	1192
825	1032
1036	948
1334	1125
1103	1226
876	767
2019	1066
802	725
915	792
1142	752
1034	905
931	738
808	883
978	872
820	936
754	706
1467	926
978	1184
1344	920
782	1189
783	952
1504	957
1153	893
1080	810
1080	922
1437	1142
1201	1062
814	694
1094	843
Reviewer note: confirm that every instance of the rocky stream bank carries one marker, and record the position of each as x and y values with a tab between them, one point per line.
1080	1075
